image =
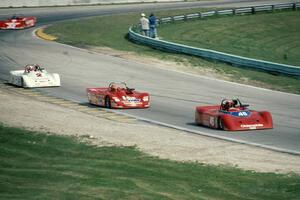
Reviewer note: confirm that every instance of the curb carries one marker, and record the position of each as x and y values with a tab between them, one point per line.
40	33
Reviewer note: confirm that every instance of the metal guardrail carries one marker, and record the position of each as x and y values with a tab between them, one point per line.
235	11
215	55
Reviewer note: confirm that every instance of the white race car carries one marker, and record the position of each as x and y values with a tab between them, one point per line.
33	76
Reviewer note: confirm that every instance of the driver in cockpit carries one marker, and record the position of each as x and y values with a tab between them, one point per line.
113	87
228	104
28	68
37	67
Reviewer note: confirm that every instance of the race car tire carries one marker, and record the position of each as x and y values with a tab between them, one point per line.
220	123
22	82
107	102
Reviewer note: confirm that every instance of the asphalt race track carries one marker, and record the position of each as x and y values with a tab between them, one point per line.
174	95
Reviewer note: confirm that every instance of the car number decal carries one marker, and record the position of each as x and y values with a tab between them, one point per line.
241	113
12	24
212	121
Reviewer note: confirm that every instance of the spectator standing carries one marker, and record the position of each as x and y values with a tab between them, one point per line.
153	25
145	25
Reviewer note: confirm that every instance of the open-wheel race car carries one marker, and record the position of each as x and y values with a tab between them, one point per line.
232	115
33	76
18	22
118	95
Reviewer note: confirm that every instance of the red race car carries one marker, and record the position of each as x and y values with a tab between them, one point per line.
17	22
232	115
118	95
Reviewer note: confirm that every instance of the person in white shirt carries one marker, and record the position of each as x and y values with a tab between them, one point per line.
145	25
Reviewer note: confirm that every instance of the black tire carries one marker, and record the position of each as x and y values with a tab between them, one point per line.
107	102
22	82
220	123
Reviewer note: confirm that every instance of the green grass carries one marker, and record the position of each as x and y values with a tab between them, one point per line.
267	36
44	166
111	31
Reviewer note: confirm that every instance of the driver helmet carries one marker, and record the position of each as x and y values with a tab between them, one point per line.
228	104
29	68
235	102
113	87
36	67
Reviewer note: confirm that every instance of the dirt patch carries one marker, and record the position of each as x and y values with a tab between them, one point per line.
26	112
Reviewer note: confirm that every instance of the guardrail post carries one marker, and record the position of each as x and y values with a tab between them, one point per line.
200	15
253	10
158	21
234	11
294	6
273	8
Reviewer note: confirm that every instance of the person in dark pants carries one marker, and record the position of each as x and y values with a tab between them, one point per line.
152	26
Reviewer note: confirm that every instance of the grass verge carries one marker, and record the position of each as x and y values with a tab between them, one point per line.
267	36
111	31
44	166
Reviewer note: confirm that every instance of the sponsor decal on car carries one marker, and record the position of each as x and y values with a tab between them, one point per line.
29	22
132	99
251	126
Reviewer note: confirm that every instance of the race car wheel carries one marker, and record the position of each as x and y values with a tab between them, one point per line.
107	102
220	123
22	82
